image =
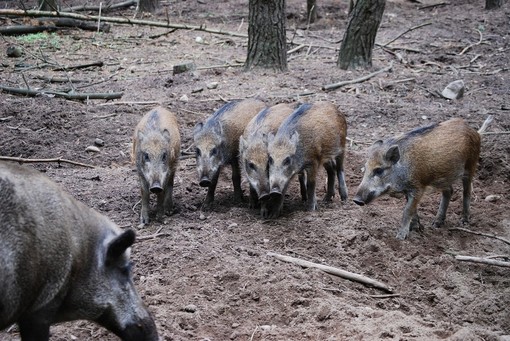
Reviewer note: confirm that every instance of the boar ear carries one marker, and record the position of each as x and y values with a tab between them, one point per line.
198	127
270	137
118	246
166	135
218	128
377	143
393	154
294	138
242	143
140	135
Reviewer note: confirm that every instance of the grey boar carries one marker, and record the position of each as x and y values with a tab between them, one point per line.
313	135
217	144
254	155
434	156
156	151
61	260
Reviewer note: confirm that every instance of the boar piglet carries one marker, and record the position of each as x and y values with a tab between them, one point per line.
61	260
433	156
313	135
156	151
254	156
217	144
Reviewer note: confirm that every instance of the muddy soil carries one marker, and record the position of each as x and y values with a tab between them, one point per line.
208	275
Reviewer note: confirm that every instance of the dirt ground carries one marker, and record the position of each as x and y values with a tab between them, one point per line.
208	276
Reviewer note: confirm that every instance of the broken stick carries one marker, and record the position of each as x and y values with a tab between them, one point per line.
334	271
481	234
58	159
357	80
482	260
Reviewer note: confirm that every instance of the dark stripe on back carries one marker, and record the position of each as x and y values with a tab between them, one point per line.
291	121
261	116
415	133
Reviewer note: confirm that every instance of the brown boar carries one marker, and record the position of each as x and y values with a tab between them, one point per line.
156	151
254	155
313	135
217	144
434	156
61	260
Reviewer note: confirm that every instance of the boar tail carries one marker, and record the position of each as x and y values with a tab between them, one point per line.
485	124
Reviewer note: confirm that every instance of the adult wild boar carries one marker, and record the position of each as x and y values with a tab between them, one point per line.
62	261
254	155
156	151
433	156
217	144
313	135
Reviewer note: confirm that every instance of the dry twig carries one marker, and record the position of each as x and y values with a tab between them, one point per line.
334	271
474	44
407	31
58	159
482	261
72	96
357	80
481	234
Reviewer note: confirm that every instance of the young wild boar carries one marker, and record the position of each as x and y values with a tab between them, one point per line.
62	261
432	156
311	136
217	144
254	155
156	151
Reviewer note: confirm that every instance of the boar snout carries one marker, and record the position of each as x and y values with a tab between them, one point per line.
358	201
264	196
156	187
205	182
144	330
362	199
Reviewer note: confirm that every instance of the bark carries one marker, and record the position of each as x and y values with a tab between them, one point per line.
267	47
359	38
149	6
311	7
48	5
493	4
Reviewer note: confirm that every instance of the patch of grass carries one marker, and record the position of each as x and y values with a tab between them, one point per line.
46	39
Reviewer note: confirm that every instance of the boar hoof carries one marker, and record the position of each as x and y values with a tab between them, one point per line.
358	202
401	235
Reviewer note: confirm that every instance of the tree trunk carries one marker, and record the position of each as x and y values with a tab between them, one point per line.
148	6
311	10
267	45
359	38
493	4
48	5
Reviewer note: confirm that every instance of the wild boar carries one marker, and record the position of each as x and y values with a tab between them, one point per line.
156	151
254	155
217	144
61	260
313	135
433	156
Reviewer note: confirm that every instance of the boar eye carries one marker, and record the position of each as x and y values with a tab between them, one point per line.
252	166
164	156
126	270
270	160
214	151
378	171
197	151
286	161
146	157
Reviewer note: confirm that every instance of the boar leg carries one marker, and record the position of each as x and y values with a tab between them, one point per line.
236	180
32	329
302	185
144	214
311	202
410	216
168	203
254	198
443	206
330	170
210	191
342	187
466	197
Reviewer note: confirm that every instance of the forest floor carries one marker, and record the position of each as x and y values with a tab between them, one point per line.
208	275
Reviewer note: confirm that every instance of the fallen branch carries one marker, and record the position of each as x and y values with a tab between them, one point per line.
127	21
385	296
474	44
25	29
59	160
81	66
406	31
58	79
152	236
103	9
334	271
71	96
482	260
433	5
357	80
496	133
481	234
